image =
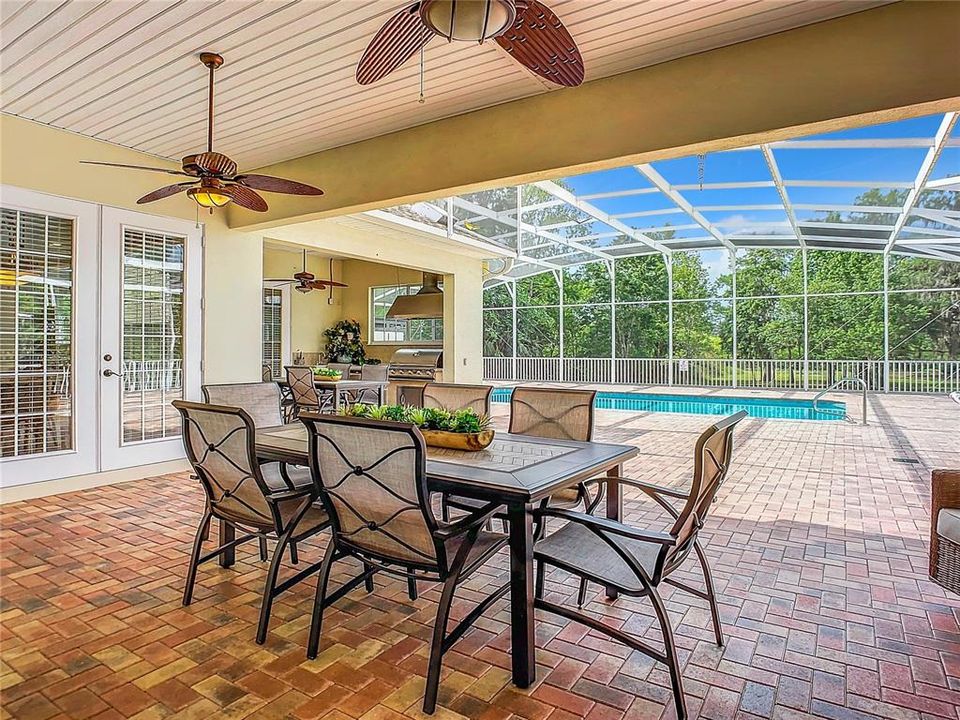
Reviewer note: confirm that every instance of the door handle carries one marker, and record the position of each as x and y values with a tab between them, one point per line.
110	373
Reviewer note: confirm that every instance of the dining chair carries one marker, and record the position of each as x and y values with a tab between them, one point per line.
553	413
454	396
305	395
344	368
371	373
220	445
262	402
637	561
266	373
373	482
945	528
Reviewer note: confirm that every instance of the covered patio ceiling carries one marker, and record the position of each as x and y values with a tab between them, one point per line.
884	188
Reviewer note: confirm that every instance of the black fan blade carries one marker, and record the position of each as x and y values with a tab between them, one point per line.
277	185
395	43
136	167
166	191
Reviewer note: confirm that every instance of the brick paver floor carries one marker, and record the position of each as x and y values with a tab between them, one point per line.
818	543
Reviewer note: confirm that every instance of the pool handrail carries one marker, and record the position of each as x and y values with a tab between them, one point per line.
838	383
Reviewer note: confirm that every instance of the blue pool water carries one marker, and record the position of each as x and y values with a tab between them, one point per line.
782	409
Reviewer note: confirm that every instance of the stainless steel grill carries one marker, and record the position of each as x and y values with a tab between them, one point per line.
416	364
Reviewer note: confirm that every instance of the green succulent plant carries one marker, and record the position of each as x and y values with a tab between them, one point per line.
456	421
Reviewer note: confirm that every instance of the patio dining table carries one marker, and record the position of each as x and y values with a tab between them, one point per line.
339	388
518	471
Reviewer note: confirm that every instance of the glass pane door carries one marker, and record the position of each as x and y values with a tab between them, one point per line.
152	343
36	326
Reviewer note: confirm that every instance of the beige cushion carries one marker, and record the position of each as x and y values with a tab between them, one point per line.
948	524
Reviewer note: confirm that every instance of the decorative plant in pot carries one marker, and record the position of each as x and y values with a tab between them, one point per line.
344	344
321	372
453	429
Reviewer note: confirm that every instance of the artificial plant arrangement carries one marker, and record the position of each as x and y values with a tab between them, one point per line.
455	429
344	344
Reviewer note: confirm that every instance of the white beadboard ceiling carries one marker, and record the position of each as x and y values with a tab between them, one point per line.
126	71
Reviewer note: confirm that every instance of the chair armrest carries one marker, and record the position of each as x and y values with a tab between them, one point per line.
944	493
468	522
608	526
648	488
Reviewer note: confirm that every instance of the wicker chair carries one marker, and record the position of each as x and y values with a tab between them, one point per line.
636	561
554	413
219	442
304	392
458	397
373	482
945	529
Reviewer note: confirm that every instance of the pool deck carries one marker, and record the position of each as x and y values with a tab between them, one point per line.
818	543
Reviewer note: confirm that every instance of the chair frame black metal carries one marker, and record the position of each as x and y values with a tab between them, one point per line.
673	548
273	524
443	569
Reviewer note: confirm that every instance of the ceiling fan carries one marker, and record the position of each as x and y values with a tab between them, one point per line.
528	30
215	180
305	281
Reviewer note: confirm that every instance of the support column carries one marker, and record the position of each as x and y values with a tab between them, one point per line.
558	275
668	259
733	272
806	322
886	323
513	314
612	270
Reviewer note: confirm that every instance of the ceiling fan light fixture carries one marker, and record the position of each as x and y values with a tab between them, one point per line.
208	197
468	20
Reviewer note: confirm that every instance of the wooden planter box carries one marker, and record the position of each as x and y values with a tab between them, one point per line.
472	442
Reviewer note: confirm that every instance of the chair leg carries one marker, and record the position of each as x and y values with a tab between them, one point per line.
436	645
263	548
541	580
444	509
317	622
294	555
266	604
708	580
203	532
368	582
412	588
582	593
670	647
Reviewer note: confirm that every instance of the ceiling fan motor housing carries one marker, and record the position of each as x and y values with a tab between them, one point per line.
468	20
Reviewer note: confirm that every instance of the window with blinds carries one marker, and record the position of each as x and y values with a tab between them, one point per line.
36	329
152	351
272	330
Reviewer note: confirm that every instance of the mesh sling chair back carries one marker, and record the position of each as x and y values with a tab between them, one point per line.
220	445
373	373
304	392
458	397
266	373
373	482
636	561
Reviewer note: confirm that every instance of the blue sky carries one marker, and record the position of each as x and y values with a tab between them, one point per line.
869	164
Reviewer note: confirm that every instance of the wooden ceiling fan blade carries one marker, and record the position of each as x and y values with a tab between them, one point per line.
540	42
163	192
244	197
323	284
277	185
135	167
395	43
216	164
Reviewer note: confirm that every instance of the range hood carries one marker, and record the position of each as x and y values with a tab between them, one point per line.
427	303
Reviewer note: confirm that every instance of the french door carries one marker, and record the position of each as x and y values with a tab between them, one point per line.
100	329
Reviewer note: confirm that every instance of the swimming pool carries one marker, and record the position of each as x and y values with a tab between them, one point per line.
777	408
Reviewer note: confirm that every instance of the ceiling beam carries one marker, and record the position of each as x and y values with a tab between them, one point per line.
923	174
550	187
663	186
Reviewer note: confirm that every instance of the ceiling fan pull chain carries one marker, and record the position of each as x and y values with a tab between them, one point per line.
421	100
